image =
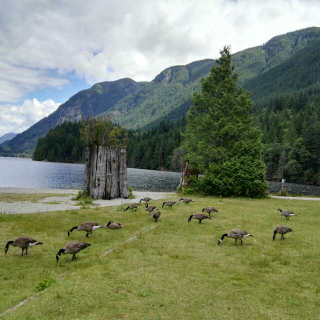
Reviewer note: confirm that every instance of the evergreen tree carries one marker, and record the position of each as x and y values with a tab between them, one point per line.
221	140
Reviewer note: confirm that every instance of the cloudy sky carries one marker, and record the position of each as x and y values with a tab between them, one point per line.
51	49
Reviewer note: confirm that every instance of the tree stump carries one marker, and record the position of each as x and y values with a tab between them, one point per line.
105	174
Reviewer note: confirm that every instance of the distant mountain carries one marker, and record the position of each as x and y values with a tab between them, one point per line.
86	103
173	88
7	136
169	96
298	72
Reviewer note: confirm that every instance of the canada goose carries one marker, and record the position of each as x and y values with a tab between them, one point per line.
145	199
169	204
88	226
209	210
282	230
22	242
286	214
199	216
113	225
186	200
156	215
72	247
132	206
149	208
235	234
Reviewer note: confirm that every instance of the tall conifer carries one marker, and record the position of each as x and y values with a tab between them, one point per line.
221	140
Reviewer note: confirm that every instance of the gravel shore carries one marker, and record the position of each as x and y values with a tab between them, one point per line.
64	202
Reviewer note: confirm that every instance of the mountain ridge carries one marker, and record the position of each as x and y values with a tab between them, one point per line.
7	136
168	96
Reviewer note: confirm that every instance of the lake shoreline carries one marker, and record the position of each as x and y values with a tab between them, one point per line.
64	202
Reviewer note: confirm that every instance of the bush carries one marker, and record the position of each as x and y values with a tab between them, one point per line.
240	177
131	196
282	193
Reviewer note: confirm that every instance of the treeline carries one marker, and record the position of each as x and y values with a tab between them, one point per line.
152	149
61	144
291	136
156	148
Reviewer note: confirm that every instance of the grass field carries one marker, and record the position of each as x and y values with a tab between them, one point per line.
175	271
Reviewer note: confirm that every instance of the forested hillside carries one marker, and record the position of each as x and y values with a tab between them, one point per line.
286	108
173	88
84	104
152	149
62	144
291	135
156	148
169	95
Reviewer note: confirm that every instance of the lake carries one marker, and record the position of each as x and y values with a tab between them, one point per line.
25	173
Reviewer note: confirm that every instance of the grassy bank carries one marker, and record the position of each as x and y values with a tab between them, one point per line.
175	271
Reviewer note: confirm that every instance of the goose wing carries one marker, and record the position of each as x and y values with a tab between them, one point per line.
238	232
75	246
24	241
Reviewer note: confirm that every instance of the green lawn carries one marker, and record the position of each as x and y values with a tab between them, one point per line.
175	271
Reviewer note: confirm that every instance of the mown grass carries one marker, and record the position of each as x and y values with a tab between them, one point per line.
32	197
175	271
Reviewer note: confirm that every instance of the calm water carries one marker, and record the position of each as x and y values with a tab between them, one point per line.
25	173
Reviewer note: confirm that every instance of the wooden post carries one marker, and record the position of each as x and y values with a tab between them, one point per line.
106	172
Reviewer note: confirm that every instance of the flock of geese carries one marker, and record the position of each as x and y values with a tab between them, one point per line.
73	247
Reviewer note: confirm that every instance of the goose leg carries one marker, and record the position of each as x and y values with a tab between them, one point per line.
73	257
22	252
281	237
235	241
241	241
87	235
26	251
200	221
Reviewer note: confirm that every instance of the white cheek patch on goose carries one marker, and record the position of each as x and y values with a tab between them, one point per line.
246	235
95	227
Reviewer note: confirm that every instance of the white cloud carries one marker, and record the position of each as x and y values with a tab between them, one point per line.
136	39
42	41
17	118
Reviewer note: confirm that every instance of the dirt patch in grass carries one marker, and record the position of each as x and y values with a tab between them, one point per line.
30	197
